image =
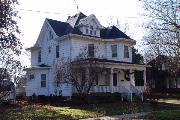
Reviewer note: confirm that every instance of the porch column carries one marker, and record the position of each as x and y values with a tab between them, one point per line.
132	81
144	77
111	81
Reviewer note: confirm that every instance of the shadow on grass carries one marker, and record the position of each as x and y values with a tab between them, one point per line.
40	111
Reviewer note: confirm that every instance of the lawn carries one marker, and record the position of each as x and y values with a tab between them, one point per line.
26	110
164	115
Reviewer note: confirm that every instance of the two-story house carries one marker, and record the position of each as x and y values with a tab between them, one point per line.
67	39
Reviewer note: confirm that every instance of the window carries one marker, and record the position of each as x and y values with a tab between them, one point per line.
139	78
91	50
91	27
31	76
50	35
39	56
91	30
96	79
49	49
114	50
114	79
87	31
43	80
57	51
94	32
126	52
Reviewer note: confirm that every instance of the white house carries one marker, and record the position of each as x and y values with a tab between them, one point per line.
66	39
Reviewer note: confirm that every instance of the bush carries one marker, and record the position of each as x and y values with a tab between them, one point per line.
96	98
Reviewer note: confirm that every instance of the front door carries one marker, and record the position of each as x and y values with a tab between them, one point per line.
114	79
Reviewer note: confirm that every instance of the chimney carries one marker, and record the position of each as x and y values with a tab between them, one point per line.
69	17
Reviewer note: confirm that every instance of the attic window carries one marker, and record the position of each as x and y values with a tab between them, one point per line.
91	27
91	30
50	35
87	31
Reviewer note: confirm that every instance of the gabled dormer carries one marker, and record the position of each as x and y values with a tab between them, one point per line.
90	26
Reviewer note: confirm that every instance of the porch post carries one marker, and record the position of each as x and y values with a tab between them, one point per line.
132	77
111	80
144	77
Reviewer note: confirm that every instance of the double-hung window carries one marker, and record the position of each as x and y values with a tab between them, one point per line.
43	80
91	50
57	51
126	51
114	50
39	56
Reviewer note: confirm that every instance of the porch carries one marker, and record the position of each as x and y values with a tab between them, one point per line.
123	78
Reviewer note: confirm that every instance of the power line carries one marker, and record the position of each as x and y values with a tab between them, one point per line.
38	11
57	13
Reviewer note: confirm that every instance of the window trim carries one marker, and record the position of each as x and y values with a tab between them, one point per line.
57	51
39	56
114	55
43	80
31	76
87	31
91	53
51	35
126	53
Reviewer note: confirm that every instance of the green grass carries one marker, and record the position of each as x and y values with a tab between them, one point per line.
24	111
45	112
165	115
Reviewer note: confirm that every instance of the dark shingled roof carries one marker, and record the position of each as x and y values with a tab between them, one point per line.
106	60
43	65
71	26
62	28
112	32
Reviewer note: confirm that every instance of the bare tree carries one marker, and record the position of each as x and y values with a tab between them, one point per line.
162	30
81	72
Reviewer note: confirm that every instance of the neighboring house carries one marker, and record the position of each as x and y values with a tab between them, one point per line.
161	76
7	91
66	39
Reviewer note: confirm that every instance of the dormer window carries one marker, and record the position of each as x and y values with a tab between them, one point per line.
87	31
50	35
91	27
126	51
91	30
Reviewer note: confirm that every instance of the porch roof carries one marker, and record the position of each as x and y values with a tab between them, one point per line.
119	64
42	66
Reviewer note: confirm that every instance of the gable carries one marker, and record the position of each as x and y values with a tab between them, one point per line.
90	20
74	20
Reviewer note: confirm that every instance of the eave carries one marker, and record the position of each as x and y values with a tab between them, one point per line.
93	38
33	48
37	68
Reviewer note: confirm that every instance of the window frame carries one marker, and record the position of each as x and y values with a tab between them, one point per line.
91	49
39	56
51	36
126	51
31	76
57	51
43	80
113	53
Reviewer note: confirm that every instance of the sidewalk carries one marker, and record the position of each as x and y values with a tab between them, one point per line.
119	117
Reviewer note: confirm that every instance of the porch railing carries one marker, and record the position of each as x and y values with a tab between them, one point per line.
126	92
